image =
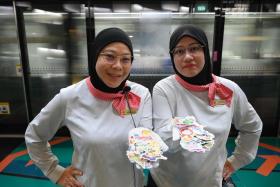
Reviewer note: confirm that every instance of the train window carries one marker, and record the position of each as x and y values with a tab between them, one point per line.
150	31
13	115
57	49
251	53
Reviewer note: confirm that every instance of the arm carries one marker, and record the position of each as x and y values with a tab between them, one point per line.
162	116
249	125
40	131
146	118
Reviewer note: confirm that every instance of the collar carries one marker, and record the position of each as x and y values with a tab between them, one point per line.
213	88
120	100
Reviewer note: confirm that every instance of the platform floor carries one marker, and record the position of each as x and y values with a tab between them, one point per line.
16	169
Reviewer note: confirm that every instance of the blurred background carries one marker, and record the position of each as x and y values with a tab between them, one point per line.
45	46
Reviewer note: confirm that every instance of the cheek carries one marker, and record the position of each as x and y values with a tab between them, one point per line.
201	63
99	69
127	69
177	66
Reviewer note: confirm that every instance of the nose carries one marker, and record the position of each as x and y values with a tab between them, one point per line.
118	63
188	55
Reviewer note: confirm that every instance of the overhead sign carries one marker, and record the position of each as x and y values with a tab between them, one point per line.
201	7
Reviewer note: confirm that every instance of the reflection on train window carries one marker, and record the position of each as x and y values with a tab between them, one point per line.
251	44
150	32
57	49
13	118
251	57
56	42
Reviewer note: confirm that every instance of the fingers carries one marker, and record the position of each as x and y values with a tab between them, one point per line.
68	178
226	175
228	170
76	172
72	182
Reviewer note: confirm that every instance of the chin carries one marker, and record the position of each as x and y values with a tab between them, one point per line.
114	85
190	74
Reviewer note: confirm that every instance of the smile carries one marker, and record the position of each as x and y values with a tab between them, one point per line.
113	75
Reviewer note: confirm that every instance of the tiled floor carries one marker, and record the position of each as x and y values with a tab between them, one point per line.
17	170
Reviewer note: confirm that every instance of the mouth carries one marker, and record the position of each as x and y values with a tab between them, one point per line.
189	66
115	75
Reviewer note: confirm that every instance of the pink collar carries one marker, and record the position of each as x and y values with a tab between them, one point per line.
119	99
213	88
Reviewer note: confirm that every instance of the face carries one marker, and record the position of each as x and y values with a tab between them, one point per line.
114	64
188	57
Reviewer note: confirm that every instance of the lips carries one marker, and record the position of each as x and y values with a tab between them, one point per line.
189	66
113	75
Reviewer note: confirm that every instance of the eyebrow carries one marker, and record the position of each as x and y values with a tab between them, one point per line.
113	51
188	45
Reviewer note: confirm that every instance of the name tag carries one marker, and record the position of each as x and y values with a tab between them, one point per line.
218	102
128	112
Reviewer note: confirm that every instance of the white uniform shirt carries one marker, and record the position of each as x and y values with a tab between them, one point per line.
99	135
187	169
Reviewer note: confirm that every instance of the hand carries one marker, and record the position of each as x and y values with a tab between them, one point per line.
228	170
68	178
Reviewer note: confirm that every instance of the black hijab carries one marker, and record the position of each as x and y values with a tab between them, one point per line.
205	76
104	38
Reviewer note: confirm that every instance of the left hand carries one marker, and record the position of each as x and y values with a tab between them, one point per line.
68	178
228	170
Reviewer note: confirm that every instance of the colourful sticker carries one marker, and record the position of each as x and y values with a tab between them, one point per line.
194	137
145	148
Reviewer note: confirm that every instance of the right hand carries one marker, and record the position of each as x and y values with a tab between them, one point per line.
228	170
68	178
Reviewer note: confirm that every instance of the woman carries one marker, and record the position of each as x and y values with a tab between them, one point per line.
99	112
215	102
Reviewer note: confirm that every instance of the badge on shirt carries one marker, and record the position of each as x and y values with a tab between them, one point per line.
218	102
128	112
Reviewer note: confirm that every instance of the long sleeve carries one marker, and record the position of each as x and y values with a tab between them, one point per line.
249	125
162	116
40	131
146	117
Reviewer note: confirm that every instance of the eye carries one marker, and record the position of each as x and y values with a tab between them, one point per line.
179	51
109	57
126	59
194	48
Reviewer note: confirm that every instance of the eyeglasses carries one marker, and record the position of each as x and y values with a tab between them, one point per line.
192	49
112	58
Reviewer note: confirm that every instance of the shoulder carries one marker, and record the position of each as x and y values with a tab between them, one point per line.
78	88
229	83
138	88
237	91
167	84
166	81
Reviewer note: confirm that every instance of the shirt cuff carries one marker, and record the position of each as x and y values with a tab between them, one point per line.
234	162
55	175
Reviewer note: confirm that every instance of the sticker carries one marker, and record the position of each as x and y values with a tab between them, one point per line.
193	136
145	148
4	108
